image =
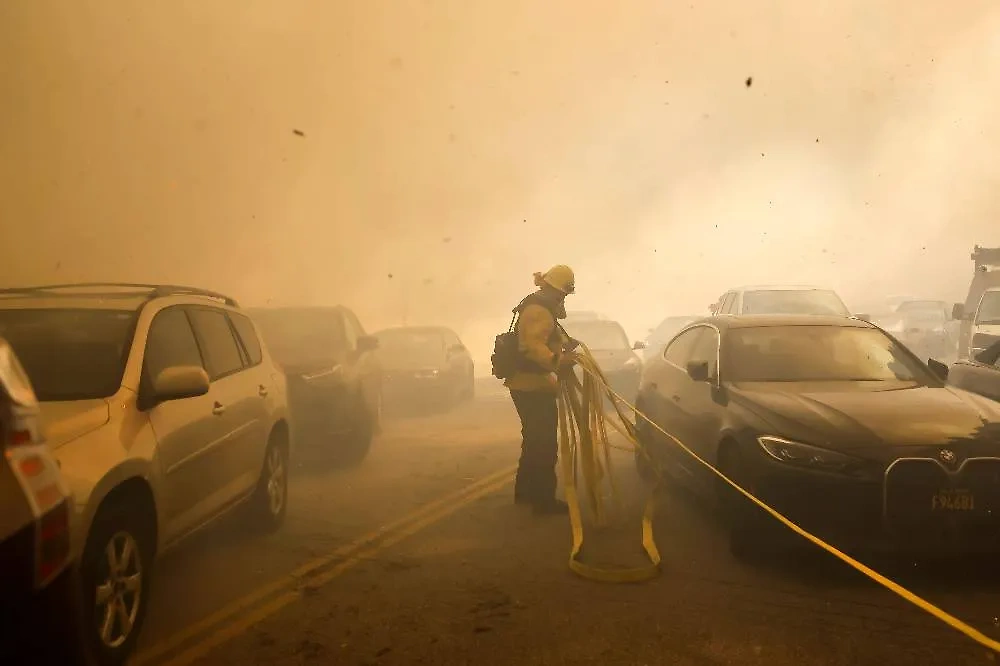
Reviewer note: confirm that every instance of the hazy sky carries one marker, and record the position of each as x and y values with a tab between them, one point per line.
460	145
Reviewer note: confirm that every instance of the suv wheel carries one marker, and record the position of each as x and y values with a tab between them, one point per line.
115	575
270	501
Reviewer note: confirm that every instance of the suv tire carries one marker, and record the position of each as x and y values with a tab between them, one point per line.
269	503
116	589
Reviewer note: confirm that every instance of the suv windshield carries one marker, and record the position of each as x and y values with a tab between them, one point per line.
989	309
793	301
411	345
818	354
70	354
599	335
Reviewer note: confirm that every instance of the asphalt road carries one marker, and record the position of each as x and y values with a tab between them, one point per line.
418	556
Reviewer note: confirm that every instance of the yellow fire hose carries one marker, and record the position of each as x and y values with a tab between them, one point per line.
584	445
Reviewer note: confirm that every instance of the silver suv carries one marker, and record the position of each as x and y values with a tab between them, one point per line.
165	412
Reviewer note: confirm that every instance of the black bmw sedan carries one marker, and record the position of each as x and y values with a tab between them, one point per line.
833	423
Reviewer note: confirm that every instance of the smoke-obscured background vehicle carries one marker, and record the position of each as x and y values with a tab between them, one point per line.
986	278
424	366
925	326
610	346
659	337
333	376
780	299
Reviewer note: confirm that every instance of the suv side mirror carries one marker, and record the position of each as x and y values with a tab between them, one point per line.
367	343
958	311
698	370
639	344
179	382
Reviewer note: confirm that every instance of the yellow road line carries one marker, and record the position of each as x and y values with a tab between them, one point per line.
251	599
245	622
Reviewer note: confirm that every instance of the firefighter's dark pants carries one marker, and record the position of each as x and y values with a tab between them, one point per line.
536	470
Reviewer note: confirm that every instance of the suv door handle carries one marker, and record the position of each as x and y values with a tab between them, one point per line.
262	391
676	398
218	408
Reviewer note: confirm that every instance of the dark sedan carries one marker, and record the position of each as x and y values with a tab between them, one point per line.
831	422
980	375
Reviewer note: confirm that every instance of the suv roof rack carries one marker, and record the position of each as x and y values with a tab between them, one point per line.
153	290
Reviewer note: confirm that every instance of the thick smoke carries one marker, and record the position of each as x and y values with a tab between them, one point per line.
458	146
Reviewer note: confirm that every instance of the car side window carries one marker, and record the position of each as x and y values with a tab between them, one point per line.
706	348
679	350
170	343
248	336
215	336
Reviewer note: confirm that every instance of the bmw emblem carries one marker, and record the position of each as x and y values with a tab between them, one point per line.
947	456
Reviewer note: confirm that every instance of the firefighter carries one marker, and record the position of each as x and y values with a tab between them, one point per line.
544	351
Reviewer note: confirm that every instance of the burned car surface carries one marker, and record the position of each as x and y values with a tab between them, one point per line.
979	375
333	376
816	417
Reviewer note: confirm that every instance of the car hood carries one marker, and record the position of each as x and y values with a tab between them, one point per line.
611	360
852	416
63	422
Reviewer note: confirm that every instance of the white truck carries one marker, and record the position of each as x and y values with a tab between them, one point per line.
980	314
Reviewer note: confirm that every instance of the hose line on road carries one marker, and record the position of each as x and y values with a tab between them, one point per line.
585	435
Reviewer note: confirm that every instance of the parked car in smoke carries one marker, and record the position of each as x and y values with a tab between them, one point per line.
40	609
815	416
164	412
665	331
979	375
925	326
781	299
985	278
984	323
334	378
607	341
425	364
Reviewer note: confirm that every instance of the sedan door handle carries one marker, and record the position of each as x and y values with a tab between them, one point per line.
262	391
218	408
676	398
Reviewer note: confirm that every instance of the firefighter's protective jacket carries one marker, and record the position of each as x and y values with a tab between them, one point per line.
540	343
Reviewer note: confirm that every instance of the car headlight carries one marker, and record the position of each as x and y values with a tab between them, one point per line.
428	373
804	455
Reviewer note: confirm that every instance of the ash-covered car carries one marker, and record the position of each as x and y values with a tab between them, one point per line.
832	423
607	341
333	376
925	326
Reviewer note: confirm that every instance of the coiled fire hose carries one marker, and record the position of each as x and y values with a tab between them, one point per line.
584	446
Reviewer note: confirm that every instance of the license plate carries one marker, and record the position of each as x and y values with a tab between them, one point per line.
953	499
